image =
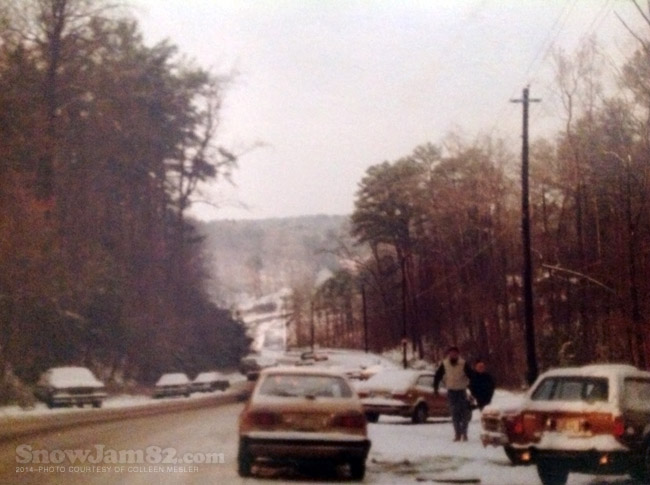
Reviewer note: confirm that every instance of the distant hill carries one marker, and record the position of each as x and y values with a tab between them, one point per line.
258	257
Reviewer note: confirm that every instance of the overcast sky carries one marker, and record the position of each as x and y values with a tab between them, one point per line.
331	87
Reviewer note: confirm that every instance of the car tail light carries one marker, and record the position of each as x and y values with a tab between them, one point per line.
362	393
356	421
618	427
400	395
262	418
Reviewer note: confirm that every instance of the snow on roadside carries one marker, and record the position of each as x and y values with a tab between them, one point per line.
111	402
406	453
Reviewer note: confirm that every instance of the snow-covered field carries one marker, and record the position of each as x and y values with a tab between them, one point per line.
405	453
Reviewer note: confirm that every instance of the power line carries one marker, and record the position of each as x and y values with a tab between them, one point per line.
553	33
598	19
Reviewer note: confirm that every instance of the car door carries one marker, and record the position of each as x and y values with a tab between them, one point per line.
437	403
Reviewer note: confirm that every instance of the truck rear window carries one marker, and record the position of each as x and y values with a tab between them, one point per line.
572	388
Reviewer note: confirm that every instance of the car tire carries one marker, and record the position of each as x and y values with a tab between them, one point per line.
420	414
50	404
641	471
244	461
97	404
372	417
552	473
513	455
357	469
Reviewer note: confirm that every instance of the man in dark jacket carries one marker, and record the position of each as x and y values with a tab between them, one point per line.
481	385
456	373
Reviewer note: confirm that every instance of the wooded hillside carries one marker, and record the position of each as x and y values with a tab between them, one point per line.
104	142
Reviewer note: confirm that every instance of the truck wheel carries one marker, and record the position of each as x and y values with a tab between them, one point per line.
244	461
641	471
357	469
551	473
513	455
420	414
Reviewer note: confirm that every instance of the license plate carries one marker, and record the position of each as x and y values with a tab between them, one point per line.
303	422
572	427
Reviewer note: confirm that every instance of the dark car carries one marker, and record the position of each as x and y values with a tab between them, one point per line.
593	419
68	386
252	364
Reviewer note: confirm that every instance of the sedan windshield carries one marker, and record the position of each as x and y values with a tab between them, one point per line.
297	385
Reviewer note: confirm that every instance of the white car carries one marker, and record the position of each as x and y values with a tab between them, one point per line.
210	381
592	420
173	384
68	386
403	392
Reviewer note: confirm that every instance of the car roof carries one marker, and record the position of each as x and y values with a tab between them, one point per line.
611	371
302	370
68	368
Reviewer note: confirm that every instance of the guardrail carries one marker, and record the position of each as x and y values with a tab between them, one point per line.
12	427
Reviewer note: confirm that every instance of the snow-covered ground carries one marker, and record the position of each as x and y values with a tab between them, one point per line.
405	453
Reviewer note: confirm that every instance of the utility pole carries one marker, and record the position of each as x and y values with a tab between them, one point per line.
311	330
365	317
529	309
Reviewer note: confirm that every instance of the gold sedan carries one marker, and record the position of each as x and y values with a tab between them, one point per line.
300	414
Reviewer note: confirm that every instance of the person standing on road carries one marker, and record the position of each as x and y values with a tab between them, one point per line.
481	384
456	373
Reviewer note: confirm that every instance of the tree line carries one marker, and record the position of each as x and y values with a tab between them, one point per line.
438	256
105	142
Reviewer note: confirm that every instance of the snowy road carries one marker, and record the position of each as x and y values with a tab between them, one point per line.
401	453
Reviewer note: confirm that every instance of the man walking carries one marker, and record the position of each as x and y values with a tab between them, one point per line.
456	373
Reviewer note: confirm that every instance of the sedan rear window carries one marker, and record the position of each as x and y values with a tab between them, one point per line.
300	385
572	389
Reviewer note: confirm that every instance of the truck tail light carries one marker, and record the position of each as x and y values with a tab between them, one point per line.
618	427
518	424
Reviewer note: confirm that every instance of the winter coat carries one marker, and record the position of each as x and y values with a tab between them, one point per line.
482	386
456	377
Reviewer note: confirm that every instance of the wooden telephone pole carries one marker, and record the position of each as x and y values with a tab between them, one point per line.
529	309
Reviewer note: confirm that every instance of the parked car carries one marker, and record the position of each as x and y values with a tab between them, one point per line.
210	381
593	419
403	392
252	364
173	384
355	364
498	427
306	413
67	386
